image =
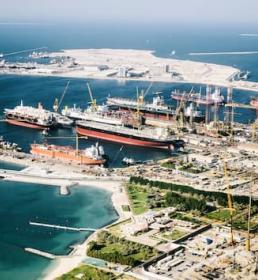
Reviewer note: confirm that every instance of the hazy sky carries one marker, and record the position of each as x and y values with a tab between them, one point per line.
130	10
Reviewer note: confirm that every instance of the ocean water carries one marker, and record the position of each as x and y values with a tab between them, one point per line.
162	39
20	203
23	202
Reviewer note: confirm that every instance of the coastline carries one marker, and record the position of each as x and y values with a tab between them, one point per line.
67	263
143	61
64	264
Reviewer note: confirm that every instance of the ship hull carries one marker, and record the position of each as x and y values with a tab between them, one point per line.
69	157
123	139
26	124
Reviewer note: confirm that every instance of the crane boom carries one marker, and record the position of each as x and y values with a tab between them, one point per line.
63	95
230	202
93	101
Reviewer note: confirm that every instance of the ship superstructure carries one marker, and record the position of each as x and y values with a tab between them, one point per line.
100	114
28	116
155	109
210	98
93	155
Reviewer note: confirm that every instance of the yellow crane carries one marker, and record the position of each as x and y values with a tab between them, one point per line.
93	101
248	245
230	202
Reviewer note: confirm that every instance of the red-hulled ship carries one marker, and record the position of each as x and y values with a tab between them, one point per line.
93	155
142	136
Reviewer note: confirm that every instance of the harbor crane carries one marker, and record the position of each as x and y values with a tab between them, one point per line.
230	201
248	243
180	113
57	103
141	97
93	101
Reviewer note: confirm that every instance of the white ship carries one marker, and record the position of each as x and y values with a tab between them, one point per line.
28	116
99	114
63	121
190	111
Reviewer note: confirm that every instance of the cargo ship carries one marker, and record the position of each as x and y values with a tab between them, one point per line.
157	109
31	117
254	103
198	98
100	114
143	136
93	155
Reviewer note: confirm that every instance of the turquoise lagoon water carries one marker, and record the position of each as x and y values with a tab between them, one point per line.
23	202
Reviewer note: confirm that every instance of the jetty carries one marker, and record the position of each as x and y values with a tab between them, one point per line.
40	253
61	227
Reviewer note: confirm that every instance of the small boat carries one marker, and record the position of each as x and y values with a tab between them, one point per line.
45	132
6	145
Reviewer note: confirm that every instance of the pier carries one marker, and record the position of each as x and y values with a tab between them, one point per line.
40	253
61	227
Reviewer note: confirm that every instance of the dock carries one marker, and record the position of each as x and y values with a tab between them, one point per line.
40	253
61	227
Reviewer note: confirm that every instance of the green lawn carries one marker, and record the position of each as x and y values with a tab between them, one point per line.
114	249
88	272
219	215
175	234
170	165
139	199
239	218
186	217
